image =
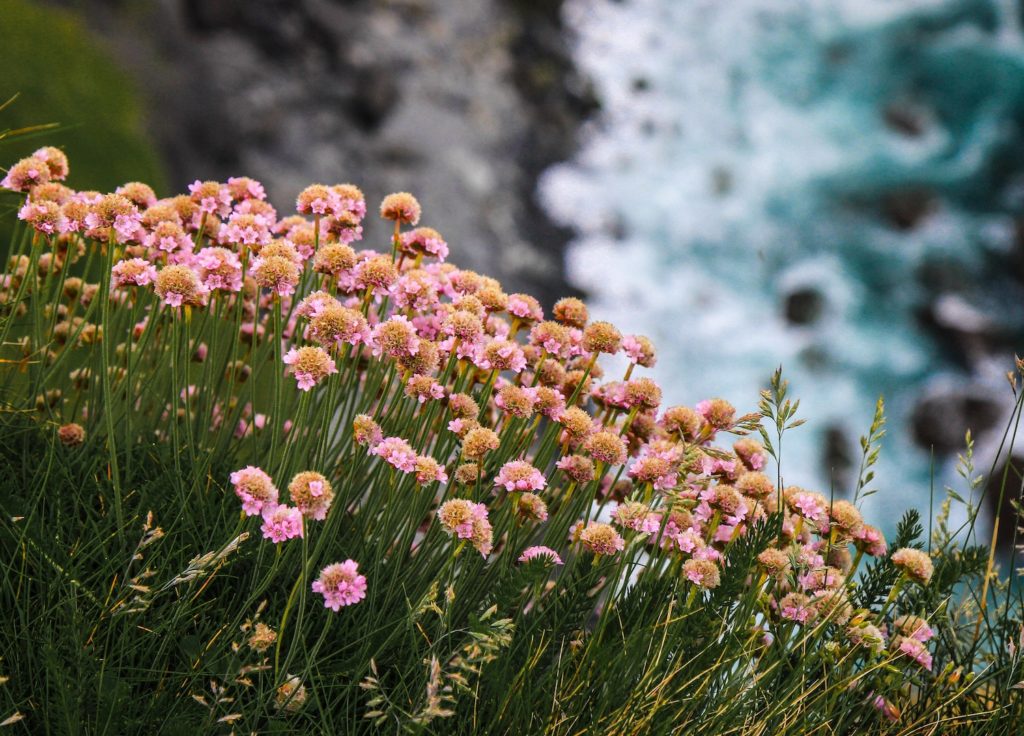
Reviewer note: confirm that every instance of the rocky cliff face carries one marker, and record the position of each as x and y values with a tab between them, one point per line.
462	102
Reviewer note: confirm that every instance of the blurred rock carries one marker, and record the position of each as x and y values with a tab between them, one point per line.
945	411
462	102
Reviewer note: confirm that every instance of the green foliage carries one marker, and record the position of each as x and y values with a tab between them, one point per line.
61	75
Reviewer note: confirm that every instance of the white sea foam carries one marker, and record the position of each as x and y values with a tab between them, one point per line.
737	145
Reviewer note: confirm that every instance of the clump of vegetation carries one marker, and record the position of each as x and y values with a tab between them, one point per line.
258	481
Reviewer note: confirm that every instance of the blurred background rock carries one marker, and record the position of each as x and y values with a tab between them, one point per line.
836	186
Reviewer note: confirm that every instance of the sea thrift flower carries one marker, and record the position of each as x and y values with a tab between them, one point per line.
45	217
211	197
750	452
246	229
606	447
401	207
683	421
132	272
178	285
774	561
168	237
467	520
545	553
332	324
71	435
503	355
424	241
552	337
281	523
550	402
639	350
139	194
519	475
832	605
531	507
318	199
601	337
242	188
395	338
117	212
915	649
870	540
255	489
636	516
463	406
797	607
351	199
571	311
846	518
915	627
312	494
601	539
27	173
56	161
424	388
478	442
525	307
277	273
365	431
334	259
310	365
376	275
914	563
754	485
397	452
340	584
219	268
578	424
428	471
702	573
516	401
579	468
654	470
719	413
262	638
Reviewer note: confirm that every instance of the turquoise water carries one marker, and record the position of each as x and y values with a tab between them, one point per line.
750	148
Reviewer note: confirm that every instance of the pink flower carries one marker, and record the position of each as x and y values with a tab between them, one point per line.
870	540
341	584
545	552
246	229
211	197
219	268
397	452
636	516
916	650
255	489
524	307
281	523
310	365
519	475
132	272
168	237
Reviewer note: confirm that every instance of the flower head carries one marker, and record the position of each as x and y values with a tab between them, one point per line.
340	584
179	285
255	489
601	539
310	365
914	563
396	452
312	494
281	523
467	520
545	553
132	272
401	207
71	435
702	573
519	475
